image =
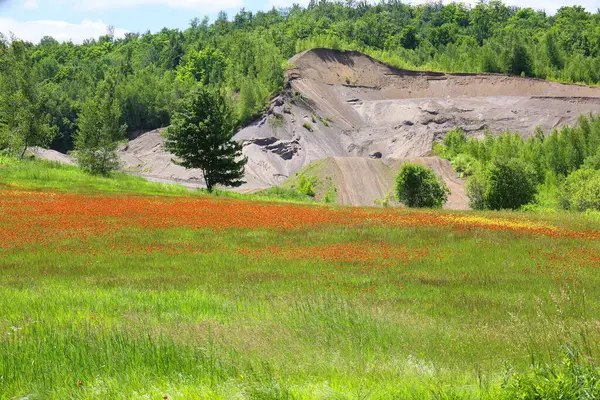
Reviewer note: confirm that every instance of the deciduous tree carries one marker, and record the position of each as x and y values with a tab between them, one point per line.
24	121
417	186
99	131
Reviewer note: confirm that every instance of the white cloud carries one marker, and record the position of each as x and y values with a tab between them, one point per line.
287	3
31	4
200	5
62	31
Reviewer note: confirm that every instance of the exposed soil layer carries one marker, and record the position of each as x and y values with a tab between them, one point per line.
146	156
50	155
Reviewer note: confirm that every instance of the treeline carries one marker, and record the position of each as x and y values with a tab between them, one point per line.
49	83
548	170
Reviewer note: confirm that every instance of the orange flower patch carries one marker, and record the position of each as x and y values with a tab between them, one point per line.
563	266
369	255
37	218
46	218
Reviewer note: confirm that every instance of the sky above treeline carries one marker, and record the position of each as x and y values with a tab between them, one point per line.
78	20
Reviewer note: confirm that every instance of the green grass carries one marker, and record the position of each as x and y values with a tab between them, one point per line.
218	323
317	173
465	316
42	174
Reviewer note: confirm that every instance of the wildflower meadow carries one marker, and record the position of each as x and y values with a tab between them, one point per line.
116	295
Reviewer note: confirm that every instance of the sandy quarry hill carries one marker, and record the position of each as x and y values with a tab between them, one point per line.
346	104
367	117
366	182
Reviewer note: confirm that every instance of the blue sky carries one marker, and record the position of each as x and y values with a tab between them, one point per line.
80	19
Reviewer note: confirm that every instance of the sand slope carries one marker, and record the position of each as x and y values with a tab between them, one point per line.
362	181
378	109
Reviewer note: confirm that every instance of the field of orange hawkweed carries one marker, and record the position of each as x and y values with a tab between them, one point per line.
139	295
39	218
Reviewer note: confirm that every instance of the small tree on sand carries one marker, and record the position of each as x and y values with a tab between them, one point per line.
99	131
417	186
201	135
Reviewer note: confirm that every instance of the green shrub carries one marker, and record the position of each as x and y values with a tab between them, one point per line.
509	185
465	165
386	200
417	186
102	161
307	126
306	186
476	191
581	191
273	193
330	196
276	121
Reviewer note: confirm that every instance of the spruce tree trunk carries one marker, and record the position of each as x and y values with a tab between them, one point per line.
209	185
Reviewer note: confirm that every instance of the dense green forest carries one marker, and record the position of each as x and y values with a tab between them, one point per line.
548	170
44	87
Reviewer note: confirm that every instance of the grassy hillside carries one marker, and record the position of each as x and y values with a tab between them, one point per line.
109	295
41	174
313	177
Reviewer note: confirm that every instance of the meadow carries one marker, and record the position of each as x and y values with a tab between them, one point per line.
137	292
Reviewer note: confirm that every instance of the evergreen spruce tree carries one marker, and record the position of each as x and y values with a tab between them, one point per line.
201	135
100	130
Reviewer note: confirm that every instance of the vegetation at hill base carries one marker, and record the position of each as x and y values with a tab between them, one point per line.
99	131
505	184
552	170
44	87
313	182
35	174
